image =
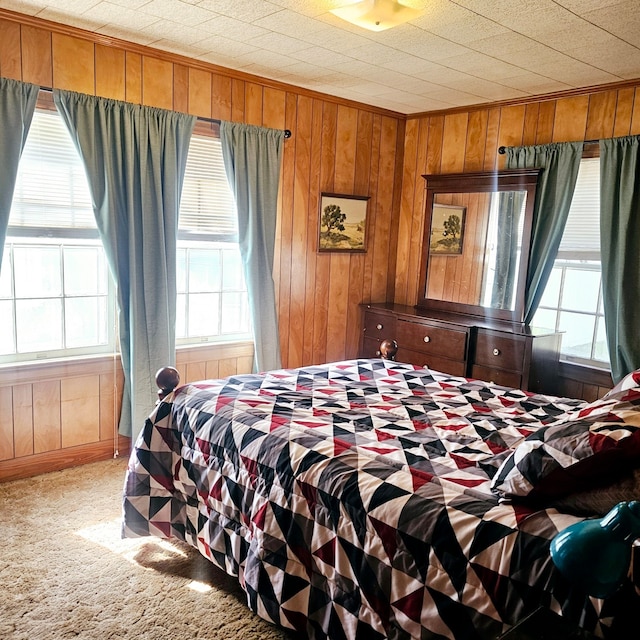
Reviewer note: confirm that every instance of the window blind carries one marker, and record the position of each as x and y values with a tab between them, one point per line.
581	237
51	186
207	205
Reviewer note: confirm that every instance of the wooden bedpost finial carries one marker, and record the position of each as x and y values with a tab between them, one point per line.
388	349
167	380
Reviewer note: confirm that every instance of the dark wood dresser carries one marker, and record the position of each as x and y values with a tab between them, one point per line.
498	351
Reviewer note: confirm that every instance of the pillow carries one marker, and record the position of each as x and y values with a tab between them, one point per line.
583	449
600	500
630	383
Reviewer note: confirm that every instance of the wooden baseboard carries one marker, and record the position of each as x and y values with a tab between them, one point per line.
28	466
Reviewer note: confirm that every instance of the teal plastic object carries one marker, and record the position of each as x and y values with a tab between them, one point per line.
596	554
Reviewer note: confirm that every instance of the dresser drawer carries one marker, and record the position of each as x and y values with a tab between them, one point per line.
379	326
436	363
498	350
497	376
432	340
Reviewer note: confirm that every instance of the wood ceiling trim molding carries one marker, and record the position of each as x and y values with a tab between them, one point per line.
132	47
546	97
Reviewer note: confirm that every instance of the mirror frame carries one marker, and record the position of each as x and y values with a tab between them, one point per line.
486	181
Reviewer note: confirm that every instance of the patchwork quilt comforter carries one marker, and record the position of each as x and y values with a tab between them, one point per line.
355	500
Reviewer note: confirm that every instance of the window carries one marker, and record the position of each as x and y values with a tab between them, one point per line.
212	301
572	301
56	295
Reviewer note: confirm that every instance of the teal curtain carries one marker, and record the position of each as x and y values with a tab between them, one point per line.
17	104
554	193
252	157
135	159
620	250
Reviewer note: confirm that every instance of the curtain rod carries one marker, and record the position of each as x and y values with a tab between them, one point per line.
287	132
502	150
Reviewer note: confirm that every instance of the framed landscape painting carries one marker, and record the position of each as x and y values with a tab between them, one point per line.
447	229
342	223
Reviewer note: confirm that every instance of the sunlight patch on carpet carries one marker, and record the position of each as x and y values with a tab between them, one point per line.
107	535
200	587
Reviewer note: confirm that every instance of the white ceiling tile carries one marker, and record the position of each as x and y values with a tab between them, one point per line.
480	65
411	64
75	7
178	12
127	20
280	43
312	9
620	60
245	10
373	51
575	73
116	31
265	58
79	21
232	28
456	23
582	6
534	84
622	19
337	39
323	57
221	46
370	88
565	39
130	4
289	22
459	52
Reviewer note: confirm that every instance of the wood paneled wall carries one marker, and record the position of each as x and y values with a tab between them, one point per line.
336	146
55	415
468	140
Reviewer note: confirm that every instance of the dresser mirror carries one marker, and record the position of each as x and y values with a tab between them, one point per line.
476	242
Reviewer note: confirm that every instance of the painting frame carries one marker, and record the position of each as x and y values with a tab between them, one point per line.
439	243
349	235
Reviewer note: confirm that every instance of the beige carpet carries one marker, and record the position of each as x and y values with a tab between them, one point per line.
66	573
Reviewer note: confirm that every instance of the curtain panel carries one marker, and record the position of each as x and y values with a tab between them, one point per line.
17	104
252	158
620	250
509	214
557	182
135	159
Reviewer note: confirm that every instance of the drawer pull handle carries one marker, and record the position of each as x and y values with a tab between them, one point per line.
426	339
379	327
378	352
496	352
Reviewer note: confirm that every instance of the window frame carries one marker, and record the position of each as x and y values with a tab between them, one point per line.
189	240
62	238
565	263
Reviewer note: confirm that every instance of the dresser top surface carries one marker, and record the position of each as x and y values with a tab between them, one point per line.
413	313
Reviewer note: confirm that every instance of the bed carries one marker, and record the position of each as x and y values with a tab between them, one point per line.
371	499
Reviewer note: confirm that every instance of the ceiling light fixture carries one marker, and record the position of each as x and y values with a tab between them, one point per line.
377	15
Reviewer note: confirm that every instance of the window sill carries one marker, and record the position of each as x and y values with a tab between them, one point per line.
56	368
585	373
